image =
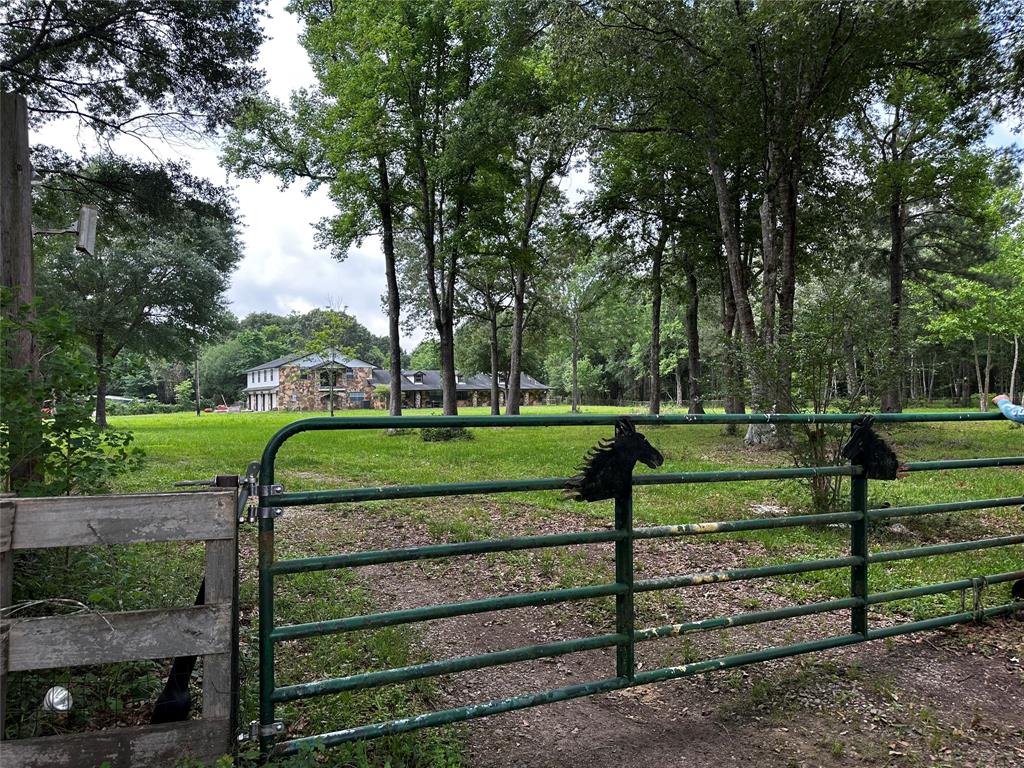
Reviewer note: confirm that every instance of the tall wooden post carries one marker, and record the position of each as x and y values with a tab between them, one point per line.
16	265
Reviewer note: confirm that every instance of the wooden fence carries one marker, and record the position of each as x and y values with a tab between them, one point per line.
208	630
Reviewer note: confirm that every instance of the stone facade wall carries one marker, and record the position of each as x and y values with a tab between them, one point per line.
305	394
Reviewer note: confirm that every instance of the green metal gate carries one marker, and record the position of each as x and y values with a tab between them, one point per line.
273	499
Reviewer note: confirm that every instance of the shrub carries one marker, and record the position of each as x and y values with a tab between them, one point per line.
46	420
444	434
139	407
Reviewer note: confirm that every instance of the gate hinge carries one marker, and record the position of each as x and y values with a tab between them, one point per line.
257	732
270	490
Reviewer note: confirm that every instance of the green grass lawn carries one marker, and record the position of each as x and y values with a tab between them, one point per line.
186	447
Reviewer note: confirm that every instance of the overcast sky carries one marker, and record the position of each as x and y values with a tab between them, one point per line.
282	269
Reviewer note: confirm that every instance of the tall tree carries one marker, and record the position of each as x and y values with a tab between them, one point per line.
143	67
157	278
921	151
485	296
760	88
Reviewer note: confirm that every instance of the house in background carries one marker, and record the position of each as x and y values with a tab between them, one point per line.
302	382
422	389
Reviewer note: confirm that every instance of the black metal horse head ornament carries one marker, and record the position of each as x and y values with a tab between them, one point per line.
867	449
608	470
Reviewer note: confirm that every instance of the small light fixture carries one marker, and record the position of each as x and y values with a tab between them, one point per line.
57	699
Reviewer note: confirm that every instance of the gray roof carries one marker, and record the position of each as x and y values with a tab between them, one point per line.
432	381
312	360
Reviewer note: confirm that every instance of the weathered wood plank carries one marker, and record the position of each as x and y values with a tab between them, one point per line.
151	745
219	670
72	521
88	638
7	509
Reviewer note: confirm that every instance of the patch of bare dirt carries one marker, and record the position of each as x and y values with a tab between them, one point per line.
946	698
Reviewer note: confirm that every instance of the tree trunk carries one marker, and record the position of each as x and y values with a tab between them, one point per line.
101	383
441	299
493	319
394	308
693	339
752	346
988	372
982	384
891	400
1013	369
931	381
516	353
655	359
17	273
850	355
575	363
732	372
913	378
965	388
195	385
449	392
680	395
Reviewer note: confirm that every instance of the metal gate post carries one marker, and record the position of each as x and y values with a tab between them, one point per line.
624	656
266	622
859	548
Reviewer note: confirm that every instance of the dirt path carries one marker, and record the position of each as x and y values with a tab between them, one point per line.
949	698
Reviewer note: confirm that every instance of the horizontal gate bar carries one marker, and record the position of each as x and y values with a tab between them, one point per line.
380	493
943	621
743	574
953	506
744	619
338	495
742	659
938	589
353	559
444	667
997	461
945	549
725	526
730	475
446	716
448	610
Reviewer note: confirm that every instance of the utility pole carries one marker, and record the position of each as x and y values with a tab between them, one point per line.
16	266
195	381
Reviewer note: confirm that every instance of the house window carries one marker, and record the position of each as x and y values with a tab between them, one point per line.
459	378
303	375
325	378
417	378
349	374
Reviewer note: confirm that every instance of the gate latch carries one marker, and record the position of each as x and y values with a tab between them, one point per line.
257	732
247	512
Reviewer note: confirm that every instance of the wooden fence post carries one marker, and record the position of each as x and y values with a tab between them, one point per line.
6	591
